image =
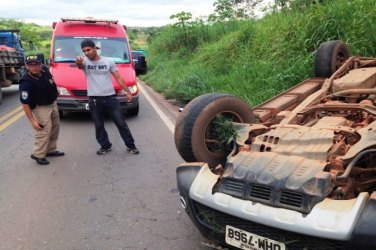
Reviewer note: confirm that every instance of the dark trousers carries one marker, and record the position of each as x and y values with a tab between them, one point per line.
108	104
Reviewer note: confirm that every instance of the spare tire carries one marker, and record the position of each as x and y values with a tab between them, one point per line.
193	126
330	56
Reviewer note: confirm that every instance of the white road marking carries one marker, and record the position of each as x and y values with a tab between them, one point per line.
164	118
11	120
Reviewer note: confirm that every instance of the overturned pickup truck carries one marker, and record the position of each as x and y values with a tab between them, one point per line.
301	171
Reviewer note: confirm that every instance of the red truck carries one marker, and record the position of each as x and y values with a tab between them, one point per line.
112	38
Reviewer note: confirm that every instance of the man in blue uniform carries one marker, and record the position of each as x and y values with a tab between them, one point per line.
38	95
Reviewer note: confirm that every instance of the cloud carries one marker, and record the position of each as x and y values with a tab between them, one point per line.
140	13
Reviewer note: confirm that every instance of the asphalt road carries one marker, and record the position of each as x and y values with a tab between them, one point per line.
86	201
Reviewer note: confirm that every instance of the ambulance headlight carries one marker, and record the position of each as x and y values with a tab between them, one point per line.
63	91
133	89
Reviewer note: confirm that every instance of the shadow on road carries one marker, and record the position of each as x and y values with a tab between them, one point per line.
75	116
84	116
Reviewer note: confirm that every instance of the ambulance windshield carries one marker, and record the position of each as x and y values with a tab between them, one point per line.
67	48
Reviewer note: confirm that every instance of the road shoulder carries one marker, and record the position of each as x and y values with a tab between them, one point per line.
169	108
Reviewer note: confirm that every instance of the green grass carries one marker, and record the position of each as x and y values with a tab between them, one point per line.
256	59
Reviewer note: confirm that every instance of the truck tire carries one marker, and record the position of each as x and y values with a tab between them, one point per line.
193	126
330	56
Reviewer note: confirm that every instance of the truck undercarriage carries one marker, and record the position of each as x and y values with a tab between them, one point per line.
310	150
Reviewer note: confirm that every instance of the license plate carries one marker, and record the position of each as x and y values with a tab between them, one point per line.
87	106
245	240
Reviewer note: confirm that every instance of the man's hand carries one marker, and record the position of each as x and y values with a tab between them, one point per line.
121	82
36	125
80	62
129	96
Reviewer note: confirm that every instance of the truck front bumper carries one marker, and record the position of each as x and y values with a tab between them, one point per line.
82	104
340	224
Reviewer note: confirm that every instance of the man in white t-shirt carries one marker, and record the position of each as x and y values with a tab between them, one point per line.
98	71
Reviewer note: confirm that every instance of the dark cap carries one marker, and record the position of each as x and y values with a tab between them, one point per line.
33	58
88	43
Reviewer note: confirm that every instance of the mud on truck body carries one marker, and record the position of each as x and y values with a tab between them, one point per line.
302	170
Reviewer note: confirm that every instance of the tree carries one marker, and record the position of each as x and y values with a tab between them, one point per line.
246	8
292	4
226	10
184	20
223	11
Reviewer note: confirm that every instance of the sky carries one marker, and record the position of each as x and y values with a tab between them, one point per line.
132	13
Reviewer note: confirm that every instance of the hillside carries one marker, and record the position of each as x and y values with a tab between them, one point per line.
255	59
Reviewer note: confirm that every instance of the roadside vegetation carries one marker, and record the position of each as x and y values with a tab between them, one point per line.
234	52
139	37
35	38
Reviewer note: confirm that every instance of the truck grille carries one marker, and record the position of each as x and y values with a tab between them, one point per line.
216	222
261	192
234	186
291	198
